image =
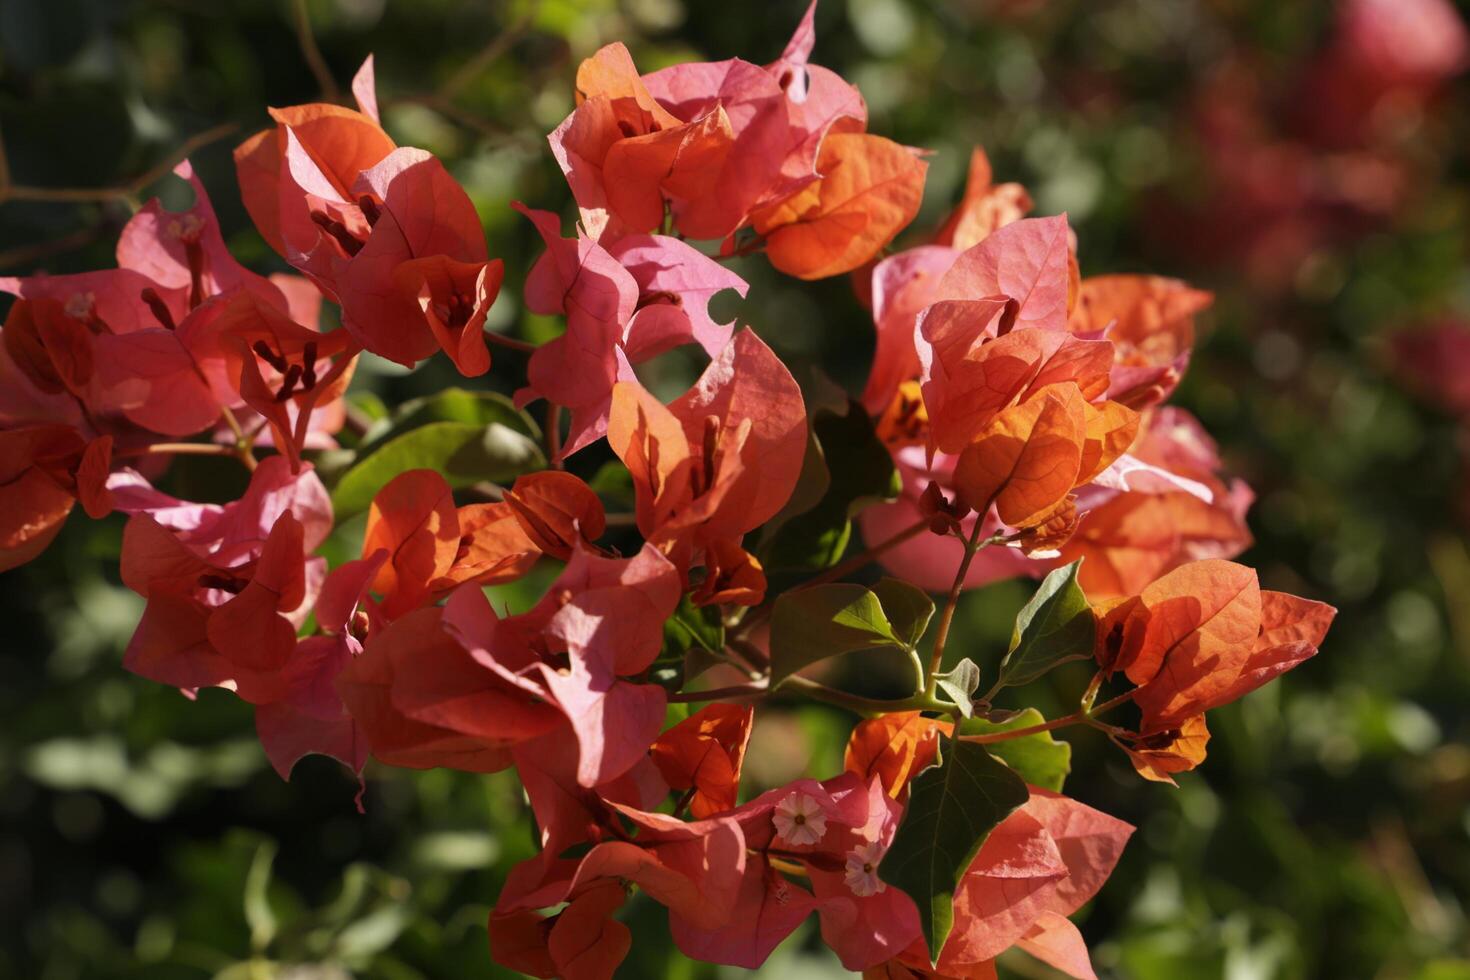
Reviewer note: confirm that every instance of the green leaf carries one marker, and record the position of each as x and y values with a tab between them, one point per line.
952	808
856	470
690	628
1039	759
452	405
258	913
907	607
464	453
960	684
1054	627
808	625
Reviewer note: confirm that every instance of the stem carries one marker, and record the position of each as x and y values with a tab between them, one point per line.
862	705
1075	718
487	55
244	445
754	689
491	337
313	54
972	545
179	449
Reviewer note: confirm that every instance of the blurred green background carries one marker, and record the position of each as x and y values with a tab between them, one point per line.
1328	834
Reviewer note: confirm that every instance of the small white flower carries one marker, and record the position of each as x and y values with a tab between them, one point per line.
799	820
862	870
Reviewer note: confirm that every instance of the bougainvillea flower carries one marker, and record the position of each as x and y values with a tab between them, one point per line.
641	296
341	142
234	532
864	921
556	510
413	519
756	125
974	365
702	755
1030	456
46	470
184	250
902	286
985	207
1202	636
894	748
675	284
870	189
1150	321
1029	261
693	868
310	718
601	621
384	230
1041	864
454	298
581	942
493	548
424	699
255	354
769	906
1183	512
819	102
212	621
1158	756
720	460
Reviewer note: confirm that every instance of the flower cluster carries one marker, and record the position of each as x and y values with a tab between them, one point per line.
1013	424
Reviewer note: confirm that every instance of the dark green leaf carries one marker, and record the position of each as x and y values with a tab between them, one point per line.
1039	759
952	808
812	624
856	470
907	607
1055	626
463	453
452	405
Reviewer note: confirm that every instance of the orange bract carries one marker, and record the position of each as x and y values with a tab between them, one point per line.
895	748
413	518
703	753
556	510
1028	458
869	190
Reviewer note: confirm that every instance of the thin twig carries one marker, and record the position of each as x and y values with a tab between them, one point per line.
733	692
313	54
502	340
1075	718
128	191
941	636
487	55
178	449
26	256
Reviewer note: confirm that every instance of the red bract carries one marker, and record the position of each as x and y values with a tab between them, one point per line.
46	470
383	230
227	587
720	460
645	295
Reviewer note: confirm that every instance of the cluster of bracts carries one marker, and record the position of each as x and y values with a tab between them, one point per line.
1021	404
